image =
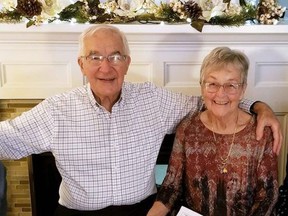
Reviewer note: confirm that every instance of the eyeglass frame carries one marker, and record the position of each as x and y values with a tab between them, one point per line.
102	58
225	85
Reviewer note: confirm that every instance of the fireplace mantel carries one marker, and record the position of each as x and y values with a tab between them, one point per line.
70	32
282	27
40	61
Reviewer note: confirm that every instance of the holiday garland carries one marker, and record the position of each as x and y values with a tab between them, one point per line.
195	12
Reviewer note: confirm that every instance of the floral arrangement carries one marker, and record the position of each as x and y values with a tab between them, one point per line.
195	12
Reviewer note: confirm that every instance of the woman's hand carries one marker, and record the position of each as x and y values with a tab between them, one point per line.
158	209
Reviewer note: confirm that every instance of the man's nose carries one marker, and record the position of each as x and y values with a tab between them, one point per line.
105	65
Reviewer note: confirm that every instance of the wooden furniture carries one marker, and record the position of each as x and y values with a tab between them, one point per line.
44	184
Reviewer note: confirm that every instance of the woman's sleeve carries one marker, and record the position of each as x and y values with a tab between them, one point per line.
267	184
171	187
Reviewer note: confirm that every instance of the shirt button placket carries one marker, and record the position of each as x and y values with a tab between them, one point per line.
115	160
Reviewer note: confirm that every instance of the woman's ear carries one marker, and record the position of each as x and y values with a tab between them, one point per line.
243	92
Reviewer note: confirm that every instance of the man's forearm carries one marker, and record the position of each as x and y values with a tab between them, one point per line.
258	105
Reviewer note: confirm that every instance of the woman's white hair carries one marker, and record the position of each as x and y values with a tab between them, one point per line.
221	56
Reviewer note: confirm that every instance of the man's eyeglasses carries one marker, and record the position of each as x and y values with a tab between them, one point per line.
229	88
96	60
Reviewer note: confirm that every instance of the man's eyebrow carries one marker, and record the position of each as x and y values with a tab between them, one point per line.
116	52
98	53
93	52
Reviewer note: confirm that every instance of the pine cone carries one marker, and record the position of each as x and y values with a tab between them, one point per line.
193	10
269	11
29	8
262	9
94	8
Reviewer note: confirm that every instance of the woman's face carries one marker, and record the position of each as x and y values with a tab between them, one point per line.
222	90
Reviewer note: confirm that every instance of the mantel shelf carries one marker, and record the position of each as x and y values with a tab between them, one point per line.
282	27
66	33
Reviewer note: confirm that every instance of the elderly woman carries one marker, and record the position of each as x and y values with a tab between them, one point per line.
217	164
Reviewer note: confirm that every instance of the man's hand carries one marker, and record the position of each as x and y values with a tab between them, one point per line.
266	117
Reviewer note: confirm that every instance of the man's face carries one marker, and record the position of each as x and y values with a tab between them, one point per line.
105	75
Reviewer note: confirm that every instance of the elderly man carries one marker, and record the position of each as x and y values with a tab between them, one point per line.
105	136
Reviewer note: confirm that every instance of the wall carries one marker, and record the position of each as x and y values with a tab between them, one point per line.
41	61
284	3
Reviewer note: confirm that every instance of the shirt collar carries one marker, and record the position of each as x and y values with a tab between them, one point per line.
93	101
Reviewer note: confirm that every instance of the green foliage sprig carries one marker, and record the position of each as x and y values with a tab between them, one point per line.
177	11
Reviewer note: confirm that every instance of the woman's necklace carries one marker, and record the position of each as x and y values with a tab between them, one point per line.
223	164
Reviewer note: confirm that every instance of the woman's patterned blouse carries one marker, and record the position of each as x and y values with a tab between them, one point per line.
249	187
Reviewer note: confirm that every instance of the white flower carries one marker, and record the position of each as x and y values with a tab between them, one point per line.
132	5
275	21
132	8
211	8
52	7
218	10
233	9
109	6
149	5
125	13
8	4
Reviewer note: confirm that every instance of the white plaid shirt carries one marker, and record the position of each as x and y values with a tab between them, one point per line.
104	158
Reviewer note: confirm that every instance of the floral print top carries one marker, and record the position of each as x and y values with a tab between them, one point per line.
249	187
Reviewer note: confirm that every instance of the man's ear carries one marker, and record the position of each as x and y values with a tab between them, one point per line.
128	61
80	63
